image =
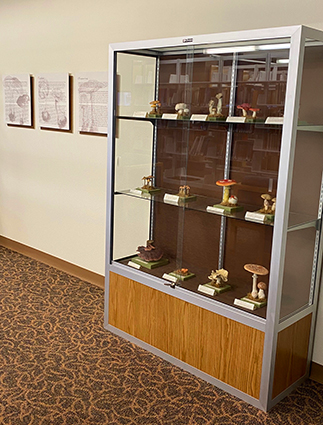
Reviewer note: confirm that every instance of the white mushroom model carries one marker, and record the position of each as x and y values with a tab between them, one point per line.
181	109
219	105
257	270
262	286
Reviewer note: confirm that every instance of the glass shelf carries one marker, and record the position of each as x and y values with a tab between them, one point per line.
200	204
256	124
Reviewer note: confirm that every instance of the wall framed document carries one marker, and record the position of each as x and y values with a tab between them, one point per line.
17	99
92	102
53	95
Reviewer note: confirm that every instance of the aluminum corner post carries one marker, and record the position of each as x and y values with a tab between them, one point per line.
110	179
286	163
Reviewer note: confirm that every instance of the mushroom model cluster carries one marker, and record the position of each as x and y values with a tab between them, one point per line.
245	108
268	208
258	289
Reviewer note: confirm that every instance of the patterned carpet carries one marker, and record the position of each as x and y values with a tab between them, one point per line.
59	366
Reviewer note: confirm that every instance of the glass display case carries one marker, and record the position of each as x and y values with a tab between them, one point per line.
215	199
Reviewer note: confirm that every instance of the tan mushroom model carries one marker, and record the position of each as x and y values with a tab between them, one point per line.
227	184
257	270
155	105
266	209
262	286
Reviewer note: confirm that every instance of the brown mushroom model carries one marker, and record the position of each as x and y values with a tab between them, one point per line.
226	183
149	252
257	270
262	286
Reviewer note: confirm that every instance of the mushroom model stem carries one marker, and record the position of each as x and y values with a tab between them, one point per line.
254	291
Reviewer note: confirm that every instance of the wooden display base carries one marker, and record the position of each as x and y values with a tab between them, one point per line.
229	209
216	118
180	277
258	304
216	289
154	190
150	264
187	198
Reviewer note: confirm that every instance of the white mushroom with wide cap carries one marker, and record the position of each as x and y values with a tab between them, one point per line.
257	270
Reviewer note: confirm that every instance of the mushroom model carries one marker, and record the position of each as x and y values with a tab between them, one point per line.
257	270
266	208
155	104
181	109
149	252
254	112
245	107
262	286
226	183
219	277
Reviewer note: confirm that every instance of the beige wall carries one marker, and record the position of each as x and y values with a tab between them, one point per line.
52	185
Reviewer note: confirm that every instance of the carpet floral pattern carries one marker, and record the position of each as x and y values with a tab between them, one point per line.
59	366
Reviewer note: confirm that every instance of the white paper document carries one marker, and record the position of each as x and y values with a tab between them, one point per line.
17	99
92	102
53	101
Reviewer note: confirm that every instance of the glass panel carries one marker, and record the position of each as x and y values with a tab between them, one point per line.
189	147
301	251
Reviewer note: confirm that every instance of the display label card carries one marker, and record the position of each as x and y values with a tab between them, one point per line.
275	120
244	304
254	216
236	119
206	290
169	277
169	117
140	114
134	265
198	117
171	199
215	210
136	192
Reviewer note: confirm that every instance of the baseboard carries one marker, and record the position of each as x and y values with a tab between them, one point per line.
317	372
94	278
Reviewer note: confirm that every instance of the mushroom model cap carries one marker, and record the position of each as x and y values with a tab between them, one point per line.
155	102
254	109
226	182
262	285
256	268
245	106
266	196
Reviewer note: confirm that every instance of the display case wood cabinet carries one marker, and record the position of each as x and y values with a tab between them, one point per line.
215	203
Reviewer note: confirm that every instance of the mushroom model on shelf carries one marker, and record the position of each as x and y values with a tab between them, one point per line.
156	111
229	203
150	256
257	295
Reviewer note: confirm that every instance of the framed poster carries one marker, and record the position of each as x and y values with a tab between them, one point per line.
92	102
17	99
53	101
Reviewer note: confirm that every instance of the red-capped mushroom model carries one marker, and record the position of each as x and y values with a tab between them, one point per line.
245	107
226	183
254	112
257	271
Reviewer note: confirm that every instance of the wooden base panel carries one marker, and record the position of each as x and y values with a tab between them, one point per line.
291	354
87	275
317	372
225	349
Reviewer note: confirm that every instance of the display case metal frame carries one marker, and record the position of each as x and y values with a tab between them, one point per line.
272	324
